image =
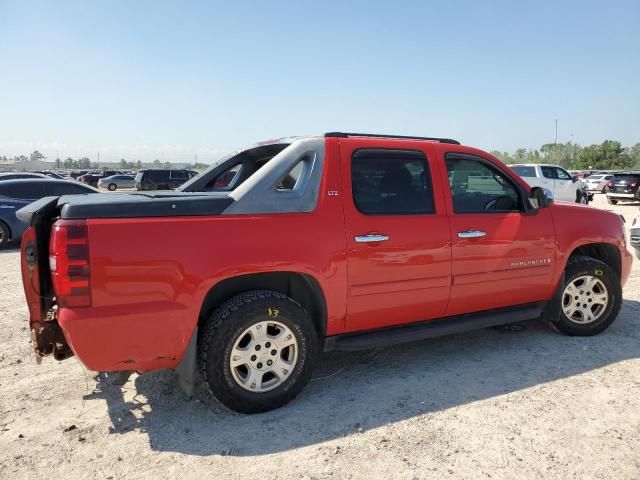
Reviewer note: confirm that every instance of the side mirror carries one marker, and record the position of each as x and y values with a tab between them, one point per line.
574	179
540	197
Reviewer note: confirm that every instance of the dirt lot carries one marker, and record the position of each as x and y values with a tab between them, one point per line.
492	403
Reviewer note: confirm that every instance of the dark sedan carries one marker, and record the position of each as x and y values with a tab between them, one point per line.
15	194
20	175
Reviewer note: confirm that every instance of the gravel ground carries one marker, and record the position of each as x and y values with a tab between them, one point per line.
495	403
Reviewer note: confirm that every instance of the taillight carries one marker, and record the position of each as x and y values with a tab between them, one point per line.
633	185
69	263
609	184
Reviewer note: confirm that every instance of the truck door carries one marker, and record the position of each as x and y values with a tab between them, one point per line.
501	255
398	235
564	185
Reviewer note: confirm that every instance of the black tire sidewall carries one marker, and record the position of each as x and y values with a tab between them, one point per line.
5	237
112	185
604	273
218	371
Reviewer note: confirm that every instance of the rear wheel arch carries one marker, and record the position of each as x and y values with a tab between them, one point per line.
302	288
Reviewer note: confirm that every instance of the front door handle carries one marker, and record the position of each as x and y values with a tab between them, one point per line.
471	234
371	238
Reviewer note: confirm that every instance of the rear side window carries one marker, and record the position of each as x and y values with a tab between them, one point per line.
391	182
179	175
158	175
290	180
63	188
527	172
548	172
22	191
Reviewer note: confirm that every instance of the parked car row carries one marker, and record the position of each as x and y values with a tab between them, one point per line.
17	193
623	186
555	180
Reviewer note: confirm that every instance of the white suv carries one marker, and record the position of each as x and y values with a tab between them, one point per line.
553	178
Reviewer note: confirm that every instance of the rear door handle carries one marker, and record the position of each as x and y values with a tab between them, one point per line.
471	234
371	238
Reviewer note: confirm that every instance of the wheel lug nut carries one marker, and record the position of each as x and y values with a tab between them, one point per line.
268	344
581	292
253	358
259	365
257	347
269	362
576	297
273	352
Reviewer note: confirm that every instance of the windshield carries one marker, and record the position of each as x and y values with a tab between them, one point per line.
626	178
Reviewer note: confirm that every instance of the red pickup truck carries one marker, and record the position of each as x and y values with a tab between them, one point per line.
304	244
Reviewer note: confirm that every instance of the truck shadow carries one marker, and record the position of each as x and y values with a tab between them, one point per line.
352	392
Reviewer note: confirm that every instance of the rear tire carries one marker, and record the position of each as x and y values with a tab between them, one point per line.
591	297
240	339
611	201
5	235
112	187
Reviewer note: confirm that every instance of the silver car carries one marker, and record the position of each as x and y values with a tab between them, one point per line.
115	182
598	182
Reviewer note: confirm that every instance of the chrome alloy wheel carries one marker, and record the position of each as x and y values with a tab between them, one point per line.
585	299
263	356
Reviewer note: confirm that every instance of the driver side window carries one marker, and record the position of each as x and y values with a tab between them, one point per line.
478	188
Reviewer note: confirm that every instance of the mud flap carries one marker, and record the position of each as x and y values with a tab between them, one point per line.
551	311
187	368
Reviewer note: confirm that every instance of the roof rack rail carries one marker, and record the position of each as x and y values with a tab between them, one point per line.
373	135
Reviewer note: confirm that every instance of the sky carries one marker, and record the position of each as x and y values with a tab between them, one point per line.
184	80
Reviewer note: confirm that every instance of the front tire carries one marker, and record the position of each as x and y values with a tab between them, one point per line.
582	197
257	351
591	297
112	187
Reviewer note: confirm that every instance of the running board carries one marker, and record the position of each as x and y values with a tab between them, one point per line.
433	328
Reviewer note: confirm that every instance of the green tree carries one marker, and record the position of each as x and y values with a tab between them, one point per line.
634	154
84	163
36	155
608	155
157	164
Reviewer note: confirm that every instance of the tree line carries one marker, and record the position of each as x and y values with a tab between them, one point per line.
85	163
609	155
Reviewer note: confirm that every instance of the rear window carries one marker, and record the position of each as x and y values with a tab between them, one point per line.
525	171
226	179
626	178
